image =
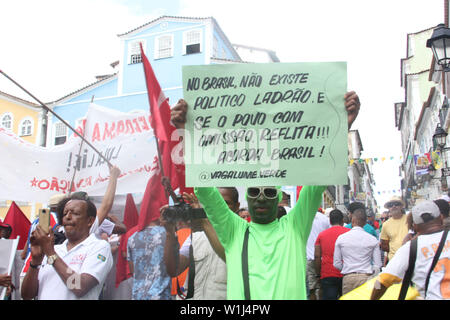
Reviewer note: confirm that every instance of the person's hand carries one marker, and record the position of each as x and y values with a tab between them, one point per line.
352	105
37	254
44	240
114	172
5	280
192	199
169	225
113	218
178	114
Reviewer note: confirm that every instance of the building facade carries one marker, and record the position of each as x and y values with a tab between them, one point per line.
24	119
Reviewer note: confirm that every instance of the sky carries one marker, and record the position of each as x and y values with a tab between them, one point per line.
54	47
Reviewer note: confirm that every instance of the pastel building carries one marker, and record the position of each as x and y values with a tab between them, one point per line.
169	43
24	119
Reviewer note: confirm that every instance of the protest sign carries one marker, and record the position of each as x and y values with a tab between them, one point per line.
34	173
266	124
7	252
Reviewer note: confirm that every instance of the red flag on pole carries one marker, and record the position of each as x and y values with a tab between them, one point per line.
155	195
19	223
130	220
131	216
159	105
122	267
165	133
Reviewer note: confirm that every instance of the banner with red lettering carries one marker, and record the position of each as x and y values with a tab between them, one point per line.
33	173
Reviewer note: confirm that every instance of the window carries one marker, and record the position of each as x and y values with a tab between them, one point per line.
60	133
134	51
7	121
26	127
192	41
164	46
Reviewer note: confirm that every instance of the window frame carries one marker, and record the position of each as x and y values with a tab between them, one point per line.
55	131
187	43
21	126
5	114
134	51
157	53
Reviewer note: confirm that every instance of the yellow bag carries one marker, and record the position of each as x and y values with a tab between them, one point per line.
364	292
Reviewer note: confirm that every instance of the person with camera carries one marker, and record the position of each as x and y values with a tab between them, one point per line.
203	253
266	258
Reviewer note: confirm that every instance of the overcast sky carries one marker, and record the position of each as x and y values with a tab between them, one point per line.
56	47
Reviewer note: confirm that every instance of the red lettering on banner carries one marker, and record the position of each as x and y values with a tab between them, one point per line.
45	186
138	129
54	185
34	182
109	133
113	129
96	133
130	128
144	123
120	127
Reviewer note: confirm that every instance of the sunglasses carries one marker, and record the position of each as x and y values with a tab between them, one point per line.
394	204
268	192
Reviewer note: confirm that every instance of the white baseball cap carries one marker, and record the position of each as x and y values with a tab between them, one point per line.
421	210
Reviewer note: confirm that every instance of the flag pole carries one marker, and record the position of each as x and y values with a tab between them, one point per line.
57	116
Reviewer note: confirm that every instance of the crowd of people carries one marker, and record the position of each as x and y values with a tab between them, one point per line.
262	251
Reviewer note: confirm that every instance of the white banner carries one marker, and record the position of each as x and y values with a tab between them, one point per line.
34	173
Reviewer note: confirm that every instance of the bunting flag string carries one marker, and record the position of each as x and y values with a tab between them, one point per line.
361	196
377	159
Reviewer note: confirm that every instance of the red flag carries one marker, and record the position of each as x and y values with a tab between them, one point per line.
122	267
130	217
165	132
130	220
19	223
159	105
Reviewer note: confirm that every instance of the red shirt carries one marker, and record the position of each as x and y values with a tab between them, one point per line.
326	240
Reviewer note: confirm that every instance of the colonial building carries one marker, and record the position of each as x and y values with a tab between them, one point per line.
24	119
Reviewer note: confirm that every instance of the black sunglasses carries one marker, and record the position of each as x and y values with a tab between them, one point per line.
268	192
393	204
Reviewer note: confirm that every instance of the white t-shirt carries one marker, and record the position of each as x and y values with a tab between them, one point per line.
440	277
320	223
92	256
106	226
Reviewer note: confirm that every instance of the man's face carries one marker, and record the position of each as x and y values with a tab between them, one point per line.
263	207
244	214
75	220
5	233
227	195
395	208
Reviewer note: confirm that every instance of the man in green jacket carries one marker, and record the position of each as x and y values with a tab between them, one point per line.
276	247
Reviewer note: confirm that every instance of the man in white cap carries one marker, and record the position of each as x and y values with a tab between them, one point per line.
396	228
427	221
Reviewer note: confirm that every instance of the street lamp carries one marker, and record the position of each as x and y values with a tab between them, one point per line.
439	137
440	45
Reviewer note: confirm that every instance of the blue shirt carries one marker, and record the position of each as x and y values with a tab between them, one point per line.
367	227
146	250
